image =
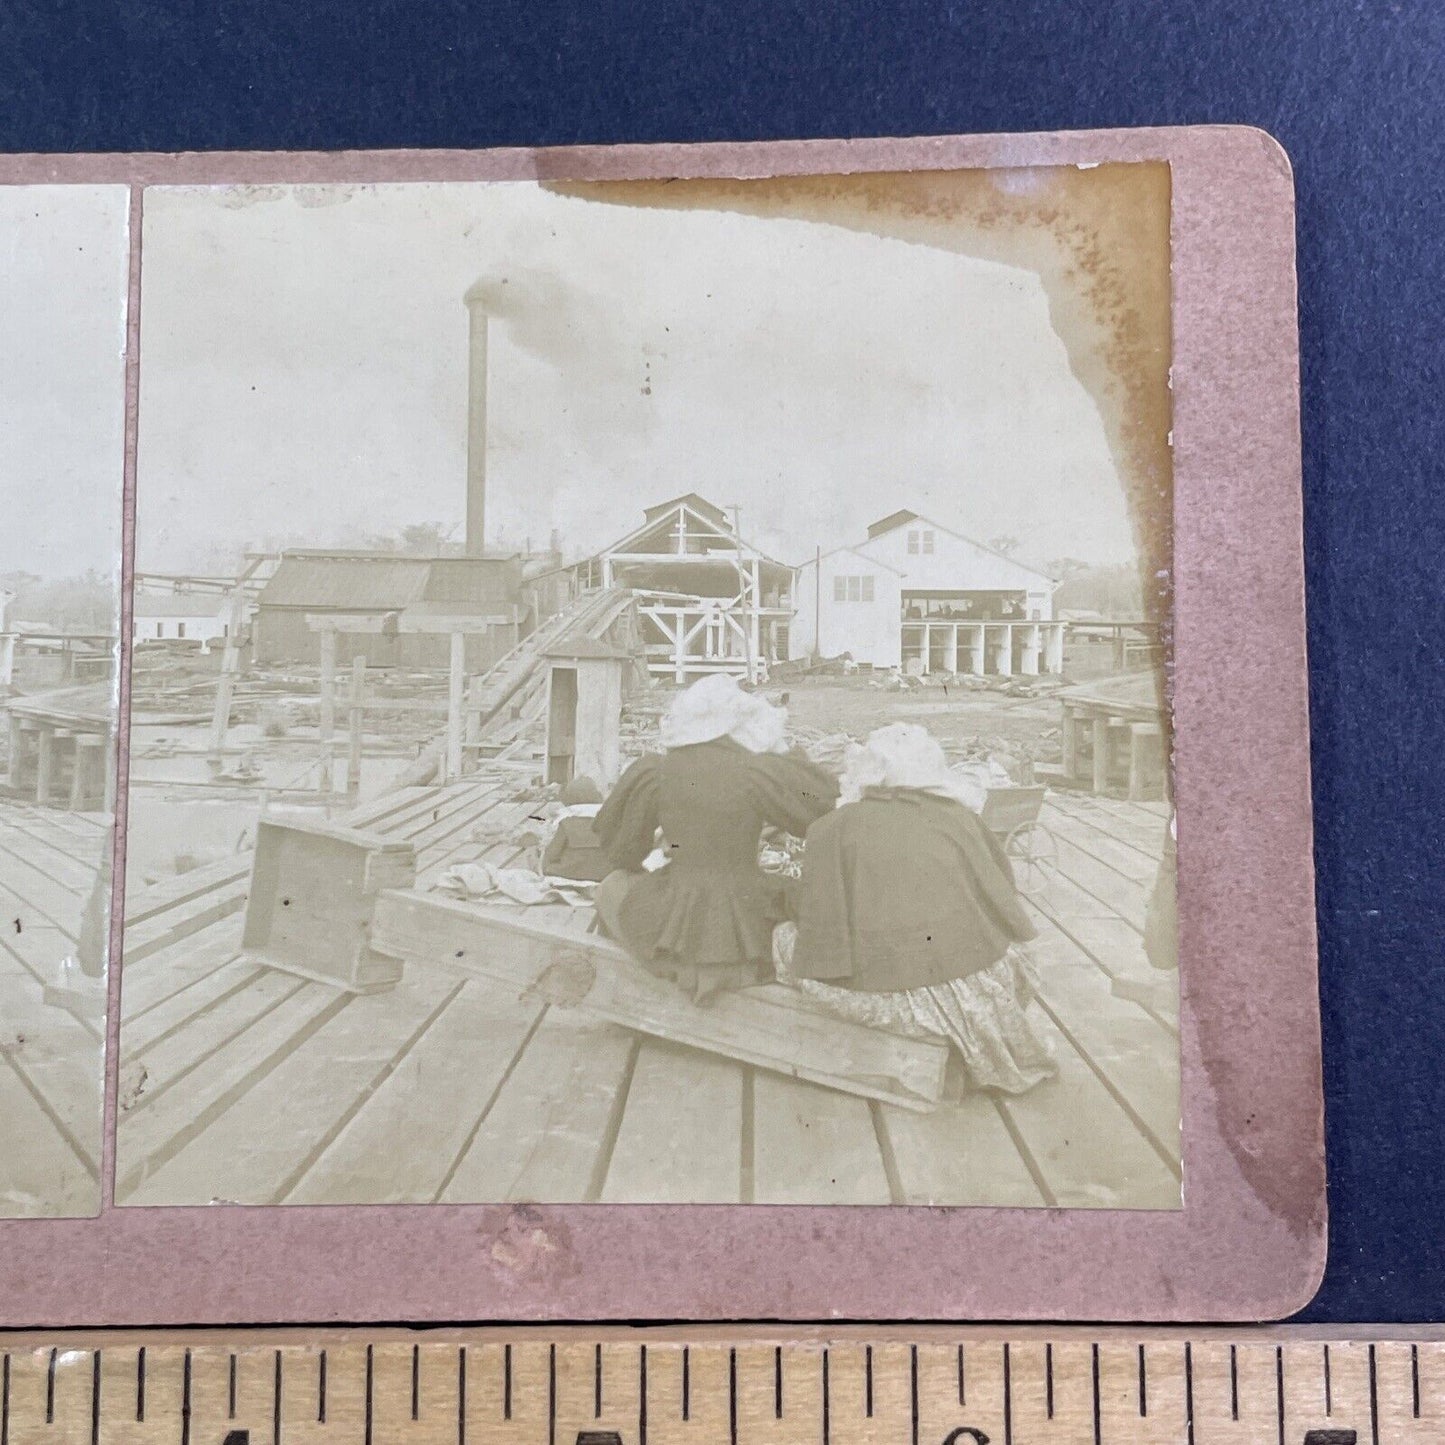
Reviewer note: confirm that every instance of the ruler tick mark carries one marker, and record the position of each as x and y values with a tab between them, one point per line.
868	1381
462	1395
962	1398
1189	1392
415	1381
1143	1384
827	1403
276	1413
50	1389
140	1383
95	1404
5	1402
913	1388
642	1396
1098	1422
1329	1393
597	1382
551	1395
1233	1384
1008	1400
1049	1379
1374	1402
230	1392
1415	1380
507	1382
321	1387
185	1398
778	1381
370	1386
686	1382
733	1397
1279	1388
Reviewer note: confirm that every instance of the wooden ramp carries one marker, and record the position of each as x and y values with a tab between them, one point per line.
50	1061
243	1084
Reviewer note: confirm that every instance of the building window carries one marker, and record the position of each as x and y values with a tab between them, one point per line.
160	630
921	542
852	589
180	629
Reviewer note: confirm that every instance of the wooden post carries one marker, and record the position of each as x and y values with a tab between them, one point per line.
456	685
1004	664
230	666
326	725
1029	661
951	657
472	731
354	720
1054	648
1101	752
7	659
977	662
1071	742
45	764
1120	649
15	768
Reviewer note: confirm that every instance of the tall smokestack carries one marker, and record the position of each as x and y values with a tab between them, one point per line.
477	299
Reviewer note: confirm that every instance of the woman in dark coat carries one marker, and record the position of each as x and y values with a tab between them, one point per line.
907	916
705	918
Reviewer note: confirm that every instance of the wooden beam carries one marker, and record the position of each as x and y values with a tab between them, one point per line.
426	624
771	1027
355	704
456	704
326	722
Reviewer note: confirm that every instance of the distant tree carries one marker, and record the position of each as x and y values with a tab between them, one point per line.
417	539
84	603
1063	568
1006	545
1112	592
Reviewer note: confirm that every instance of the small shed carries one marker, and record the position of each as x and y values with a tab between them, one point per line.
179	617
308	585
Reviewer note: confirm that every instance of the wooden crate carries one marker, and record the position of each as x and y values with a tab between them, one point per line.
313	890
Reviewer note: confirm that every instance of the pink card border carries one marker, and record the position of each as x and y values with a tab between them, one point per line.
1250	1240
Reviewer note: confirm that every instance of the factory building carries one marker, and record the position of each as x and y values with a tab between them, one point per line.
919	596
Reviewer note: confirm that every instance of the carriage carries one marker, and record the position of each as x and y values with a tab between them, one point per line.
1011	814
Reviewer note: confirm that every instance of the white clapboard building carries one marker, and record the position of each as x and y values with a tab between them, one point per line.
180	616
919	596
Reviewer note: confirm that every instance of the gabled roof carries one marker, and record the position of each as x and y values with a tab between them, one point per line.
381	582
891	522
898	519
853	551
695	503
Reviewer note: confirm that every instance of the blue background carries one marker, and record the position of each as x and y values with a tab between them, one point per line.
1351	87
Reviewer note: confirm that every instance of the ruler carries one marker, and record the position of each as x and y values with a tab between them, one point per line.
700	1386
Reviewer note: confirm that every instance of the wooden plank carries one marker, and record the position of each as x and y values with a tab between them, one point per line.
145	903
1122	896
814	1146
1088	1151
244	1157
1135	1055
204	993
1128	861
542	1140
773	1027
156	1130
39	897
59	857
403	1144
376	814
960	1154
146	984
183	921
680	1140
40	1174
61	1059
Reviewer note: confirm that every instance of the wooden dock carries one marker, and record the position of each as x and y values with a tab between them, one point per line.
243	1084
50	1060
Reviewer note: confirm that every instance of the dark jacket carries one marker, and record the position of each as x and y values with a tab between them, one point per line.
710	905
903	889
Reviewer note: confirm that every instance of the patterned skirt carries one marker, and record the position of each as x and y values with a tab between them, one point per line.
984	1016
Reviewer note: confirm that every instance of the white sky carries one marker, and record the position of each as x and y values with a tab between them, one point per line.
304	365
63	263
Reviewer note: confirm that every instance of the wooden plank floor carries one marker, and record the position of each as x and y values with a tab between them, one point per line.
51	1076
455	1091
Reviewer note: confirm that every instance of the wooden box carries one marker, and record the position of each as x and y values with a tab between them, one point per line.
313	889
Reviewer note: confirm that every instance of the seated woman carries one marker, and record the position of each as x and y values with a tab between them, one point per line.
705	918
907	917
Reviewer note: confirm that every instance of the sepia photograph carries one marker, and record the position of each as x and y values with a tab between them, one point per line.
64	255
641	692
